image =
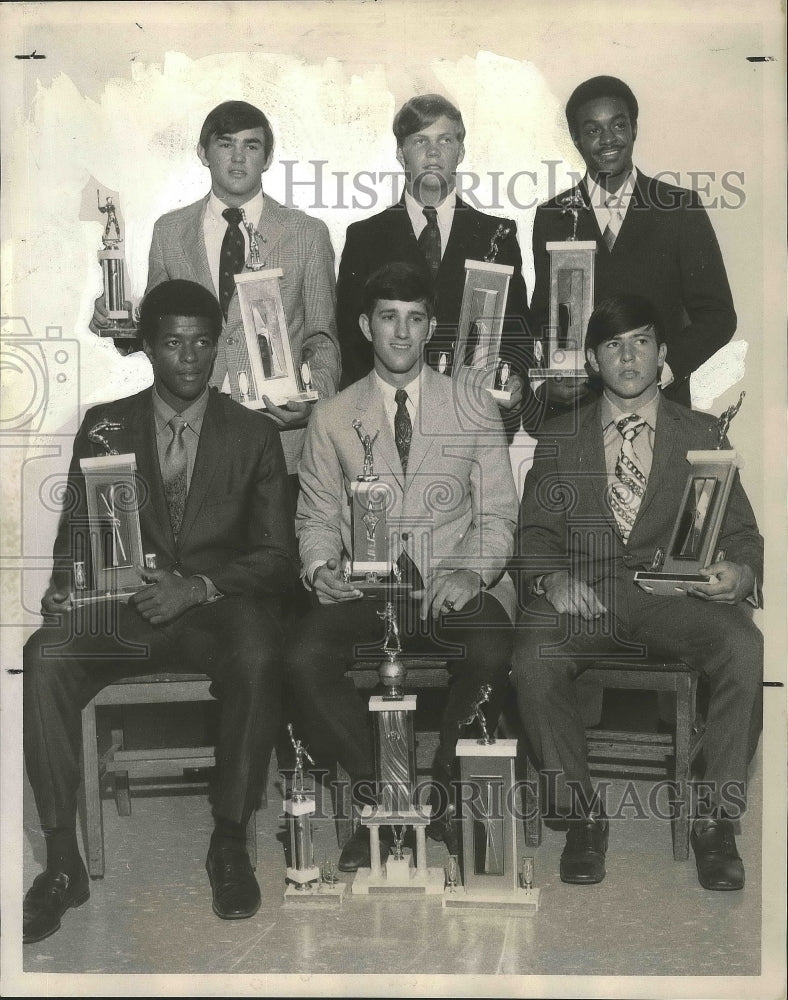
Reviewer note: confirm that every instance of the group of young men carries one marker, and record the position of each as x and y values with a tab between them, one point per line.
245	510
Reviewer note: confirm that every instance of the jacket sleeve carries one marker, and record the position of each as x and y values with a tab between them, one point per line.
321	345
353	273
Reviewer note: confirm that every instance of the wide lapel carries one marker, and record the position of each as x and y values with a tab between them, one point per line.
270	226
211	455
631	236
431	414
587	224
154	513
591	465
663	459
193	240
372	414
459	243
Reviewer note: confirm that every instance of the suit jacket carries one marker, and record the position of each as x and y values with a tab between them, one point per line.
666	250
235	530
297	243
565	522
389	237
456	507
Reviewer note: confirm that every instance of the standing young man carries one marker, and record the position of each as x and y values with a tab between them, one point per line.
214	510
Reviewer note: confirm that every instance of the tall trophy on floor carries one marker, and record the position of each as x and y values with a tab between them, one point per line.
571	302
492	877
693	541
395	766
121	326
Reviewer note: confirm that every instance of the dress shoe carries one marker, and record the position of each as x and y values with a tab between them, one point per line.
718	861
50	895
236	893
583	859
446	831
355	854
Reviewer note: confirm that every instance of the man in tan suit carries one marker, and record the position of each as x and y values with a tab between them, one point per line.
439	444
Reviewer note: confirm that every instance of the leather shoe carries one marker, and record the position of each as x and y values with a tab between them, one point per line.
48	898
719	864
583	859
355	854
445	830
236	893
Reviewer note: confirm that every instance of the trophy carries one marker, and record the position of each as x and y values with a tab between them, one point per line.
492	877
307	883
113	525
480	329
371	568
571	302
121	325
395	768
693	542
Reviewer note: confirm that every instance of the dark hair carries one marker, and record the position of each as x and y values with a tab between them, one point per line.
400	282
591	90
620	314
420	112
178	298
236	116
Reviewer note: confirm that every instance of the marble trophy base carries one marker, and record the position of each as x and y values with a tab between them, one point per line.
398	877
520	903
381	586
307	888
562	364
500	394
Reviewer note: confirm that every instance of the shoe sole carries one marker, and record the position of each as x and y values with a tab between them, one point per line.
235	916
71	906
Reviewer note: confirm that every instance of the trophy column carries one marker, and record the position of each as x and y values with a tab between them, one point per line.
121	326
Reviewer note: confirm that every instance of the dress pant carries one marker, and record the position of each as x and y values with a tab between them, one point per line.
718	640
476	642
237	641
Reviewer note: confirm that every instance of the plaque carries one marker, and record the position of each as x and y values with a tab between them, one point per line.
121	325
693	541
492	878
269	368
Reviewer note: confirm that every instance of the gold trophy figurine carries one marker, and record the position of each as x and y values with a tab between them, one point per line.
121	325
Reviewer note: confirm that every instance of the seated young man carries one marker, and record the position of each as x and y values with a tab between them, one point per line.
214	511
442	451
603	493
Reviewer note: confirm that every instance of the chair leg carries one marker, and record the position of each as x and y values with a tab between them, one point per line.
684	720
532	805
94	827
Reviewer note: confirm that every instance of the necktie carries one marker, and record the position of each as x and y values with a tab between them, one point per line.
614	222
403	429
627	491
231	260
430	240
173	473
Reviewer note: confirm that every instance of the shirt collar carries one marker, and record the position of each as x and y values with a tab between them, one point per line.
598	196
192	415
611	413
253	208
444	209
388	391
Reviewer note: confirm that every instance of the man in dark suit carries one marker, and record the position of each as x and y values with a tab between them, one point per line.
453	510
213	509
433	229
604	491
653	239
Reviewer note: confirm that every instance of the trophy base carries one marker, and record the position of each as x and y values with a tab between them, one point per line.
540	374
395	882
381	590
668	584
501	394
82	598
304	397
119	329
520	903
297	397
315	894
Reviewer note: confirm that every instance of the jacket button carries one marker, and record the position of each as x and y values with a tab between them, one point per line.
405	536
231	340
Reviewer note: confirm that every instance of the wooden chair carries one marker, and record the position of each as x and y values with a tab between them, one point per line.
642	753
123	764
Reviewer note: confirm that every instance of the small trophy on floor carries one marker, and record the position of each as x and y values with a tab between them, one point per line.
489	835
306	882
121	325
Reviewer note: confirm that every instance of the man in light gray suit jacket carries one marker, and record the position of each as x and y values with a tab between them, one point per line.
236	145
453	514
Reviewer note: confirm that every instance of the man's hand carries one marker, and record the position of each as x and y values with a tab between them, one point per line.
448	592
292	414
515	387
168	595
570	596
55	601
563	390
330	587
100	320
730	583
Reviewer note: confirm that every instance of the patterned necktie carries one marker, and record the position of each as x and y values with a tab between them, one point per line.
614	222
627	491
430	240
173	473
233	255
403	429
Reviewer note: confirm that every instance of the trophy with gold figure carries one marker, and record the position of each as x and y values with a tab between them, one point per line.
121	325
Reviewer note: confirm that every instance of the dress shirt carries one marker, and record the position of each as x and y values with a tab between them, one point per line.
598	197
214	226
643	444
445	216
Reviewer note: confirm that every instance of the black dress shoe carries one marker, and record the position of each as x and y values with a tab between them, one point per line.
236	893
50	895
447	831
583	859
355	854
719	865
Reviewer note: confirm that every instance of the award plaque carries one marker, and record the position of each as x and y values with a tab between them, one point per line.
269	369
477	349
121	325
113	526
571	303
492	879
306	882
395	768
693	541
